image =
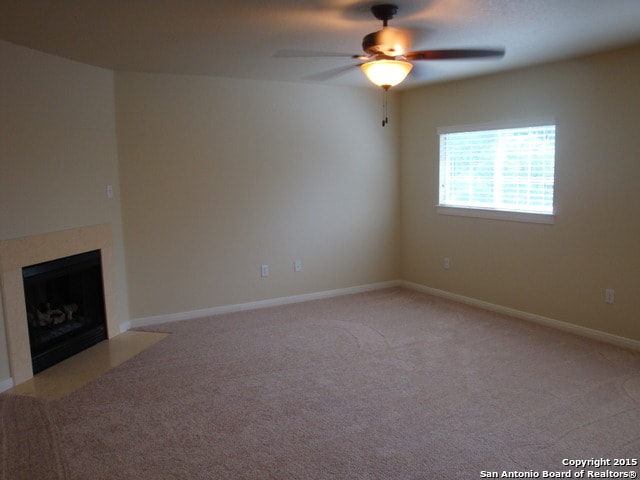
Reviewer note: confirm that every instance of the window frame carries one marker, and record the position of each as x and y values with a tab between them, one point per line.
488	212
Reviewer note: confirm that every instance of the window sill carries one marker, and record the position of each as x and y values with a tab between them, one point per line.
528	217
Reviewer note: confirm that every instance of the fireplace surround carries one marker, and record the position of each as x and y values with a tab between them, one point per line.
23	252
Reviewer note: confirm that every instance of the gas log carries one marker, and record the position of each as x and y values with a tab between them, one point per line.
46	314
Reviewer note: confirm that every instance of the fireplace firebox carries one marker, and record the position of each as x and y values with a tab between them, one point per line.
65	307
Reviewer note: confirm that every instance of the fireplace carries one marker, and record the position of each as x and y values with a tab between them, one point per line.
21	252
64	300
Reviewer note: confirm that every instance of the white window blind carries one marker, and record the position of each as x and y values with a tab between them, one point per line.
509	169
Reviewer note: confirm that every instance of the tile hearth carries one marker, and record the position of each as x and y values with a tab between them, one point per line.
75	372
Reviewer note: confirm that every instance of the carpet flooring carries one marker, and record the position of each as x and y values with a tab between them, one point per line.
390	384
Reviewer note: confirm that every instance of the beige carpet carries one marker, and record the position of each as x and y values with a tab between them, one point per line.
383	385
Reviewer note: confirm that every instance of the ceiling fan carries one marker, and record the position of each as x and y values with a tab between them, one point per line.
387	55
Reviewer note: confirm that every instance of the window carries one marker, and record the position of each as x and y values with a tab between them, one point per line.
501	170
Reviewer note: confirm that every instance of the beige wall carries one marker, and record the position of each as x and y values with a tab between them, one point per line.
222	175
558	271
58	152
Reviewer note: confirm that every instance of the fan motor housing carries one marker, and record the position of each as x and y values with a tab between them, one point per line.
389	41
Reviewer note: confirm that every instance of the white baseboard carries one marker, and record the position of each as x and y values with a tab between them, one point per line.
6	384
550	322
274	302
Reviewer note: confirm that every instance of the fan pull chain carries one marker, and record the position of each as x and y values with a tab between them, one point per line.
385	106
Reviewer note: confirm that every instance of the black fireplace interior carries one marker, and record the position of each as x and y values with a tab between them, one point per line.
65	307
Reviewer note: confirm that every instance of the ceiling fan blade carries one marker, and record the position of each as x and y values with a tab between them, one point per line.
310	54
328	74
455	54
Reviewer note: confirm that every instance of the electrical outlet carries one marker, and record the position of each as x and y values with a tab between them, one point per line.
446	263
609	295
297	266
264	271
109	191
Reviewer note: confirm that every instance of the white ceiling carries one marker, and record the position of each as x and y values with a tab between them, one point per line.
238	38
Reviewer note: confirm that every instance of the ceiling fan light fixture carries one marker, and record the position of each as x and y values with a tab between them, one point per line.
386	73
